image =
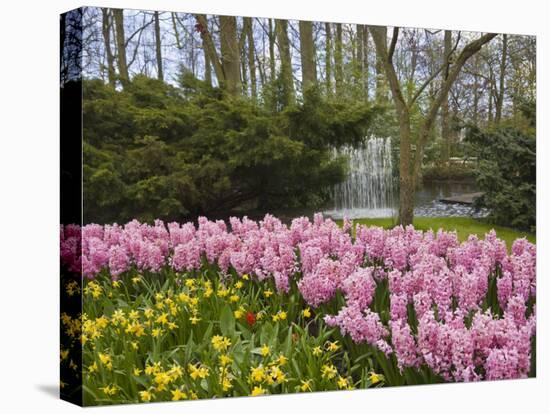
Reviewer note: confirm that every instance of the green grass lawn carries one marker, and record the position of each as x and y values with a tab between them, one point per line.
464	226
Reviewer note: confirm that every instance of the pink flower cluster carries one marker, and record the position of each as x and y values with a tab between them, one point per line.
447	285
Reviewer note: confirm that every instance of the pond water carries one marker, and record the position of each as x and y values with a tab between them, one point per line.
427	203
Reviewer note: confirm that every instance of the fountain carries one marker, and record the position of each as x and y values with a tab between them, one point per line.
368	190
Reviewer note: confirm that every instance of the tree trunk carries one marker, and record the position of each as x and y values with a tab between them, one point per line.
176	33
338	60
406	184
286	63
307	52
160	73
207	68
380	93
271	36
475	115
366	61
490	96
445	122
121	47
231	61
500	96
358	66
209	47
111	75
251	55
328	59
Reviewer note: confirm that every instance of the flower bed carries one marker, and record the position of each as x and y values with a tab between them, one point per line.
174	311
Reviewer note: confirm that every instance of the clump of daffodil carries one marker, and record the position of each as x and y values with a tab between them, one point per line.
208	290
156	332
257	390
375	378
225	360
220	343
223	292
328	371
145	396
240	312
106	360
92	368
279	316
135	328
178	394
275	375
94	289
194	319
317	351
198	371
72	288
190	284
257	374
162	318
265	350
305	386
343	383
109	390
281	360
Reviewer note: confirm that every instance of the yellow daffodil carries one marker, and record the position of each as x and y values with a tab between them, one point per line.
342	382
265	350
106	360
109	390
258	390
225	360
163	319
305	385
328	371
198	371
317	351
220	343
178	394
226	384
375	378
282	360
137	372
257	374
306	313
145	396
92	368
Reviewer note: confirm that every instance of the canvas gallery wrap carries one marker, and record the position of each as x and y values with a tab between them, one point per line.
256	206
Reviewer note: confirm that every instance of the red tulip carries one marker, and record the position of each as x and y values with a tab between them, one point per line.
250	318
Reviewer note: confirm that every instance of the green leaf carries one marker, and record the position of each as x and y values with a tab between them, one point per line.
227	321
